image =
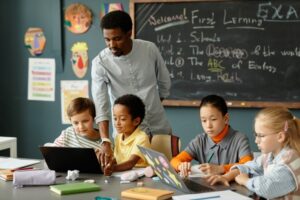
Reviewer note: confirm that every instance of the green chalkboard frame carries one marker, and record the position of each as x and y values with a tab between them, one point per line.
196	103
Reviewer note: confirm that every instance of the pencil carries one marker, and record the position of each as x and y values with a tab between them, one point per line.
211	156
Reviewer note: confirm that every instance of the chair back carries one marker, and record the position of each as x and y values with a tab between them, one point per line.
166	144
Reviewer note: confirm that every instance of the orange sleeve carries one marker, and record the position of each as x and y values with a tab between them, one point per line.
182	157
243	160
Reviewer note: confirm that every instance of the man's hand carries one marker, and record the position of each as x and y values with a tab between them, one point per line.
109	168
106	153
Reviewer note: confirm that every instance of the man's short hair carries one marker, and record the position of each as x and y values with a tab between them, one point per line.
117	19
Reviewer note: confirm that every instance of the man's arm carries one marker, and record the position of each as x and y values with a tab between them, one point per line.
101	97
103	129
107	154
162	75
106	143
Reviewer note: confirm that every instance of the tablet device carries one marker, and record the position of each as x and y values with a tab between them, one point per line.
62	159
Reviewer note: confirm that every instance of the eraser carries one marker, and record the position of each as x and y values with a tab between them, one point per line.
140	183
149	172
89	181
155	178
124	182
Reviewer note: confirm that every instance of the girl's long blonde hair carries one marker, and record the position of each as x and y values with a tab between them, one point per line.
281	119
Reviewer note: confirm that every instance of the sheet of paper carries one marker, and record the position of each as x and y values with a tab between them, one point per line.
224	195
196	172
15	163
139	171
70	90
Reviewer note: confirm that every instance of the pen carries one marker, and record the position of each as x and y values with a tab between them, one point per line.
211	197
211	156
24	168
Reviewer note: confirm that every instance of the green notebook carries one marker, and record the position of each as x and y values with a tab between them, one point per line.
71	188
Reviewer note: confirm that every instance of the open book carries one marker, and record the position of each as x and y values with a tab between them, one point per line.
222	195
15	163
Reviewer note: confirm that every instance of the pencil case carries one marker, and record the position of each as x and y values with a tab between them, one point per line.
34	177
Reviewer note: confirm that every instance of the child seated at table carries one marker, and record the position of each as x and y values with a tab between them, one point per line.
219	147
128	113
274	174
81	112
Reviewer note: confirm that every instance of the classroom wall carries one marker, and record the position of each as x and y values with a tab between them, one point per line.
35	122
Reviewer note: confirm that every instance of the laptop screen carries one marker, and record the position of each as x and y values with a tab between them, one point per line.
62	159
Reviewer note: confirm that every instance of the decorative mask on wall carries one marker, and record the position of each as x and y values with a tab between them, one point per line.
108	7
35	41
78	18
79	58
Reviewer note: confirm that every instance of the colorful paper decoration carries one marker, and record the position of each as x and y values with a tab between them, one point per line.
35	41
79	58
78	18
108	7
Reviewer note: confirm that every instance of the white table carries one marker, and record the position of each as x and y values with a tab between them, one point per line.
9	143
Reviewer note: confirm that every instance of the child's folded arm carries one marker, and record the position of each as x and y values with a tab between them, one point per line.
243	160
127	165
181	157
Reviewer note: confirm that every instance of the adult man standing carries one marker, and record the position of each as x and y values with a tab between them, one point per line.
128	66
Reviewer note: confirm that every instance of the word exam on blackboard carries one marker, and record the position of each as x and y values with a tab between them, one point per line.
242	50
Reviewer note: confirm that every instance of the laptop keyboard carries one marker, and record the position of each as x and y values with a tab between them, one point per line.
196	187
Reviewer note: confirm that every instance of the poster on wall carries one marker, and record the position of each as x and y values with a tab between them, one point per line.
41	79
70	90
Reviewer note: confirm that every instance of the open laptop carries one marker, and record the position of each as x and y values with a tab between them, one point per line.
169	176
62	159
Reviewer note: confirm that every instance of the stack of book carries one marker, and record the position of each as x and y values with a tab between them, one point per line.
6	174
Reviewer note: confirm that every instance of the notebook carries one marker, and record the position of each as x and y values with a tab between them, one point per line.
168	175
72	188
62	159
146	193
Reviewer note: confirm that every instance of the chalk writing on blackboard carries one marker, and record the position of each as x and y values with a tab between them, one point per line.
242	50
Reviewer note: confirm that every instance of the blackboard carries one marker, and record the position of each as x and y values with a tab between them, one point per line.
246	51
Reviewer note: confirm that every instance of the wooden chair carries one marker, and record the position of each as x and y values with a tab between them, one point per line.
166	144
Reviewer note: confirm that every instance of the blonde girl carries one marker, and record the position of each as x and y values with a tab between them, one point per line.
275	173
